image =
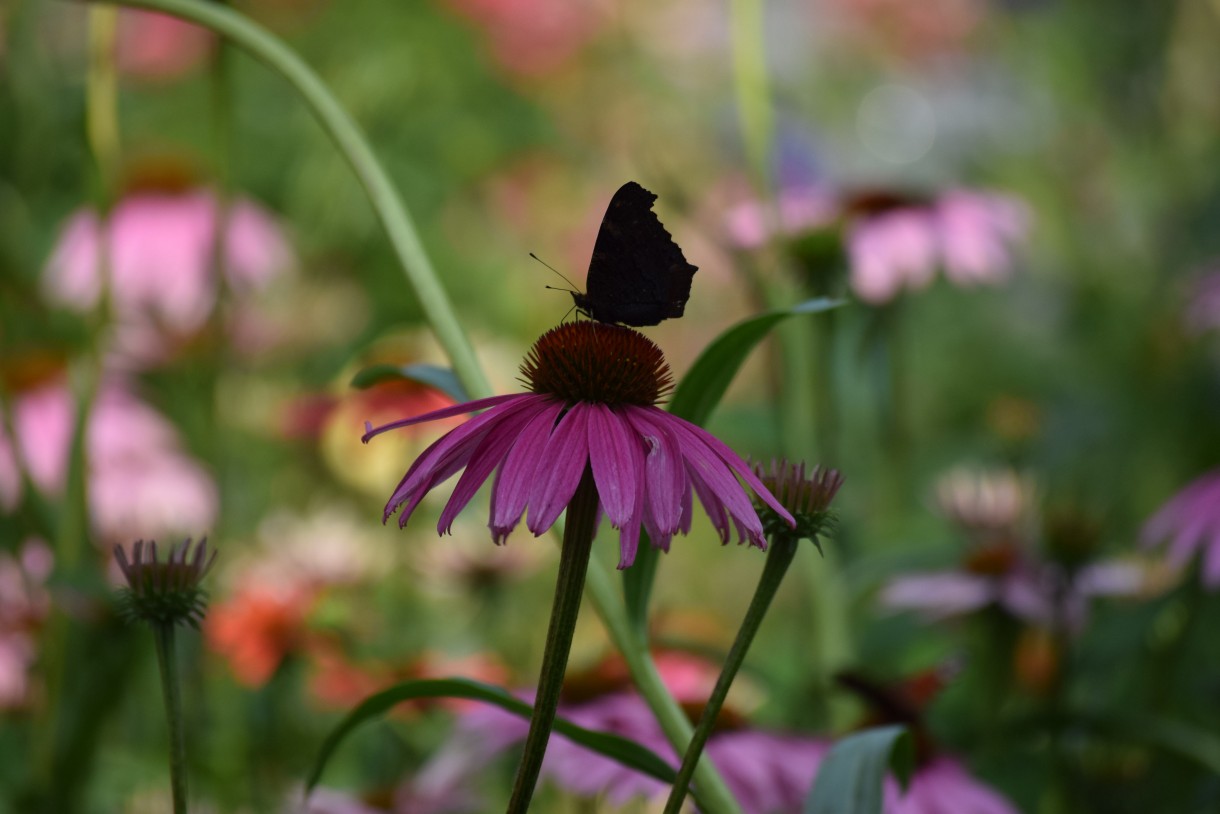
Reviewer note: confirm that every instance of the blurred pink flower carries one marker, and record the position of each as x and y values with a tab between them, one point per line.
1203	310
533	37
1041	593
141	483
23	606
157	46
943	785
967	234
766	771
798	210
160	263
1190	521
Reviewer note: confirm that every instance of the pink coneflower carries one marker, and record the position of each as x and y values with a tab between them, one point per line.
942	784
594	388
1190	521
140	480
900	245
798	210
765	771
160	261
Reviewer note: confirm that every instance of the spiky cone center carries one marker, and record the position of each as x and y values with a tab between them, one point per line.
164	593
806	495
598	363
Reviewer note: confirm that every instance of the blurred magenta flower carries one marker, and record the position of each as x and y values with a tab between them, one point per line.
160	260
798	210
533	37
766	772
1190	521
1203	310
968	234
943	785
24	603
156	46
1000	567
594	389
140	481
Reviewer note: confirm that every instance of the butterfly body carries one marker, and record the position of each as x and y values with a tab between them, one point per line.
638	275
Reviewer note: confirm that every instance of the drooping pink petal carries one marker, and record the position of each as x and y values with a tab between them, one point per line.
737	465
516	478
614	456
566	455
447	412
489	454
938	594
438	462
665	476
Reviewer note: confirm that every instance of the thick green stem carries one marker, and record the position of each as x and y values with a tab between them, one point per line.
351	142
166	658
573	565
783	549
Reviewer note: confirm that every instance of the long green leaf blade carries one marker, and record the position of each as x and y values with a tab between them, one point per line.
851	778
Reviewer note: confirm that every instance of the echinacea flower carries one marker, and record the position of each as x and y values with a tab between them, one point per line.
159	276
591	405
942	784
1190	521
1203	310
165	593
140	480
900	245
766	771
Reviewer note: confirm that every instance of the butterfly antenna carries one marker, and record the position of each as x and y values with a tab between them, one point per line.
552	268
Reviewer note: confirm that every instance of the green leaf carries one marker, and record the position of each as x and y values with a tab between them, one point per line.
850	780
627	752
1173	737
441	378
701	389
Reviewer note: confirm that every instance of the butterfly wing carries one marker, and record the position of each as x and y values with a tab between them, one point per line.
638	275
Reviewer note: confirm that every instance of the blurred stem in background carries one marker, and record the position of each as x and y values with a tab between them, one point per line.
421	275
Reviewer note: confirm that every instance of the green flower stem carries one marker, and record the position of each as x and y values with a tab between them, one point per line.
164	638
578	536
351	142
750	87
713	793
783	549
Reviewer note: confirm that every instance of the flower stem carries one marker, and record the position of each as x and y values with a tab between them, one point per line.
351	142
713	793
783	549
573	565
164	637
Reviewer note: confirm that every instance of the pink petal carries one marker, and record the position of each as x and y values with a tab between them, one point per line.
615	457
665	475
490	452
516	477
736	464
566	454
457	409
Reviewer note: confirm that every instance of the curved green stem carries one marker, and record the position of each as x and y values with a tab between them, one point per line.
350	141
783	549
578	536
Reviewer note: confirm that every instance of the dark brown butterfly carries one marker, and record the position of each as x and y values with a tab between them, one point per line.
638	275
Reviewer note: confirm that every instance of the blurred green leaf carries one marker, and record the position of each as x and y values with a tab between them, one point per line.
850	780
627	752
701	389
442	378
1174	737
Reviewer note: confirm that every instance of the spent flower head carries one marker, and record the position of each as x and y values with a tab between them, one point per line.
806	495
592	405
165	593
